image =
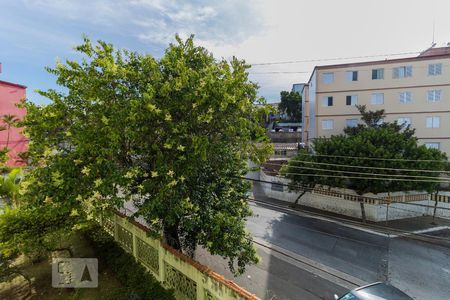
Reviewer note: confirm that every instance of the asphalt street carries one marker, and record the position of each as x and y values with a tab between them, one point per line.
305	257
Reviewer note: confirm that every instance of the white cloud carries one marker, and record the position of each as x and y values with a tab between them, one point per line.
268	30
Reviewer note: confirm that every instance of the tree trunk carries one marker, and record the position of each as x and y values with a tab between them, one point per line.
363	211
7	138
171	236
298	198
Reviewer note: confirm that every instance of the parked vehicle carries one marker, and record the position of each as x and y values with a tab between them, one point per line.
375	291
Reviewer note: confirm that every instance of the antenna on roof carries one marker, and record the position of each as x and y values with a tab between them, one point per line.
433	43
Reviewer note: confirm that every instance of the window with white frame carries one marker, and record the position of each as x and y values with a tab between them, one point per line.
328	78
327	124
351	122
434	69
433	122
404	121
327	101
377	73
433	145
405	97
352	75
351	100
377	99
401	72
434	95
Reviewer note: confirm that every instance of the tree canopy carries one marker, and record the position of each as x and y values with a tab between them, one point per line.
291	104
373	138
172	134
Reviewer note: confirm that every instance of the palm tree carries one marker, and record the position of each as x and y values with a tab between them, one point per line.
10	121
10	185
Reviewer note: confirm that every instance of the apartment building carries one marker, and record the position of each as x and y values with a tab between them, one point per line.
413	90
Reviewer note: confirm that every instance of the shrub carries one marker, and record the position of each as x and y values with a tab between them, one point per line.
138	283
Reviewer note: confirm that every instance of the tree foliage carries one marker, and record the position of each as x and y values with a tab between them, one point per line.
291	104
173	134
371	139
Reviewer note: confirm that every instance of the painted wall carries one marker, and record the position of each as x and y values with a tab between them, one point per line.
10	95
418	109
374	212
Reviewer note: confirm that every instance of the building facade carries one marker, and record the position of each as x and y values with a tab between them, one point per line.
414	90
10	95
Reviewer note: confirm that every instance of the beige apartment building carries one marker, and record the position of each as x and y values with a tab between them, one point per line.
414	90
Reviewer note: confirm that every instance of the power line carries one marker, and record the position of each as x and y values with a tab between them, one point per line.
309	189
368	167
377	158
361	173
366	178
334	70
331	59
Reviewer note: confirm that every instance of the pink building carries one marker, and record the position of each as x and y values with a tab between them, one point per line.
10	95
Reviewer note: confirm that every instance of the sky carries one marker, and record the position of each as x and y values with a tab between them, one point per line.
34	34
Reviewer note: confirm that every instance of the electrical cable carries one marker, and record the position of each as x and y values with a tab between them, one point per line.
361	173
331	59
377	158
365	178
368	167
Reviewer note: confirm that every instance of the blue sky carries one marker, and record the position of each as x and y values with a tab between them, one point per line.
34	34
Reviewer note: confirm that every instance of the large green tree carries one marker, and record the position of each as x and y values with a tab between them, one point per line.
173	134
373	138
291	104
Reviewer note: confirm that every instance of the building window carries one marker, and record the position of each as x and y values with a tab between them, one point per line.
434	69
351	122
405	97
433	122
327	124
404	121
434	95
351	100
377	73
432	145
401	72
327	101
377	99
328	78
352	75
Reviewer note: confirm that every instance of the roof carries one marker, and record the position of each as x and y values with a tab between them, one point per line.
272	167
435	52
432	53
13	84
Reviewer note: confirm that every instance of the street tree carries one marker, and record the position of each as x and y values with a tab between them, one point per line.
344	160
172	135
291	104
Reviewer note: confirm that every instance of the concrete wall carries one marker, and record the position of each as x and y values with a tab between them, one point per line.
374	212
189	279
